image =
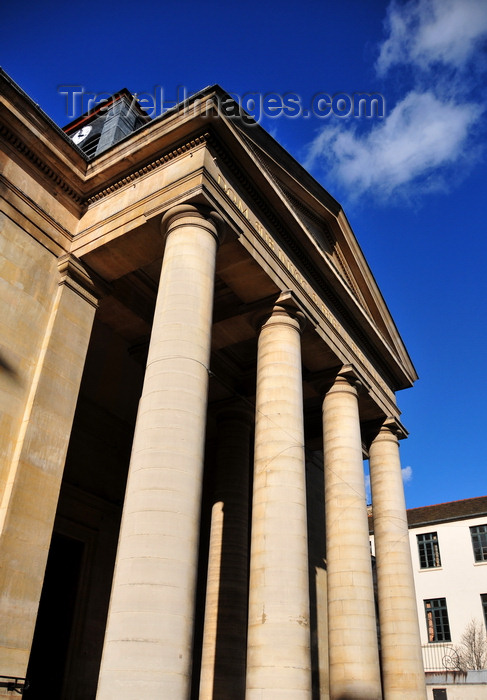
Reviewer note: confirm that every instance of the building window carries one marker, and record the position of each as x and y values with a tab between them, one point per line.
437	623
479	542
439	694
429	550
483	598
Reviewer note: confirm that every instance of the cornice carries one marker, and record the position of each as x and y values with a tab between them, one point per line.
170	155
42	166
22	148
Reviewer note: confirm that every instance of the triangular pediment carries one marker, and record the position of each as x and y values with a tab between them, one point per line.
309	212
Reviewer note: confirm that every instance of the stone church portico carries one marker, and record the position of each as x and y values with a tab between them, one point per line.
197	360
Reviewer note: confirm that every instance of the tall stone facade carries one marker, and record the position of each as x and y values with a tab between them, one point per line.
195	362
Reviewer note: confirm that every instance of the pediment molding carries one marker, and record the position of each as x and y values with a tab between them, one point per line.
332	249
323	236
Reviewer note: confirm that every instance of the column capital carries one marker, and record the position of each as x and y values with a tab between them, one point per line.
284	309
389	428
78	277
198	215
349	380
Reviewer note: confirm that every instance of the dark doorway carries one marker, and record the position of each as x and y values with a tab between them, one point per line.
49	654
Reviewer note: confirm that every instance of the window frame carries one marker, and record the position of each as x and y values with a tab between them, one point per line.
483	600
478	535
437	620
428	550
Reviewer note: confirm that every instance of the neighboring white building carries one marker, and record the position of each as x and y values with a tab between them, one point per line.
449	554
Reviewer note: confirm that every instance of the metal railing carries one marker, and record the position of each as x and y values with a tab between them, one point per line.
440	657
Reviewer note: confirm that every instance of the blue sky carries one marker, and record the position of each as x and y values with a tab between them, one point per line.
413	183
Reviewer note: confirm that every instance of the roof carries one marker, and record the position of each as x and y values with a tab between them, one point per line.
441	512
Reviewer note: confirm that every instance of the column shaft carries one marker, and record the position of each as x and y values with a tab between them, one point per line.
402	665
225	630
353	648
278	661
148	642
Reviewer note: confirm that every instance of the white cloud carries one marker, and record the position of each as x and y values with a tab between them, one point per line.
368	494
427	32
421	135
425	143
407	474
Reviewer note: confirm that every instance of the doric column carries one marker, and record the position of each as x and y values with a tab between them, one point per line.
402	665
148	643
225	628
34	476
278	659
353	649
